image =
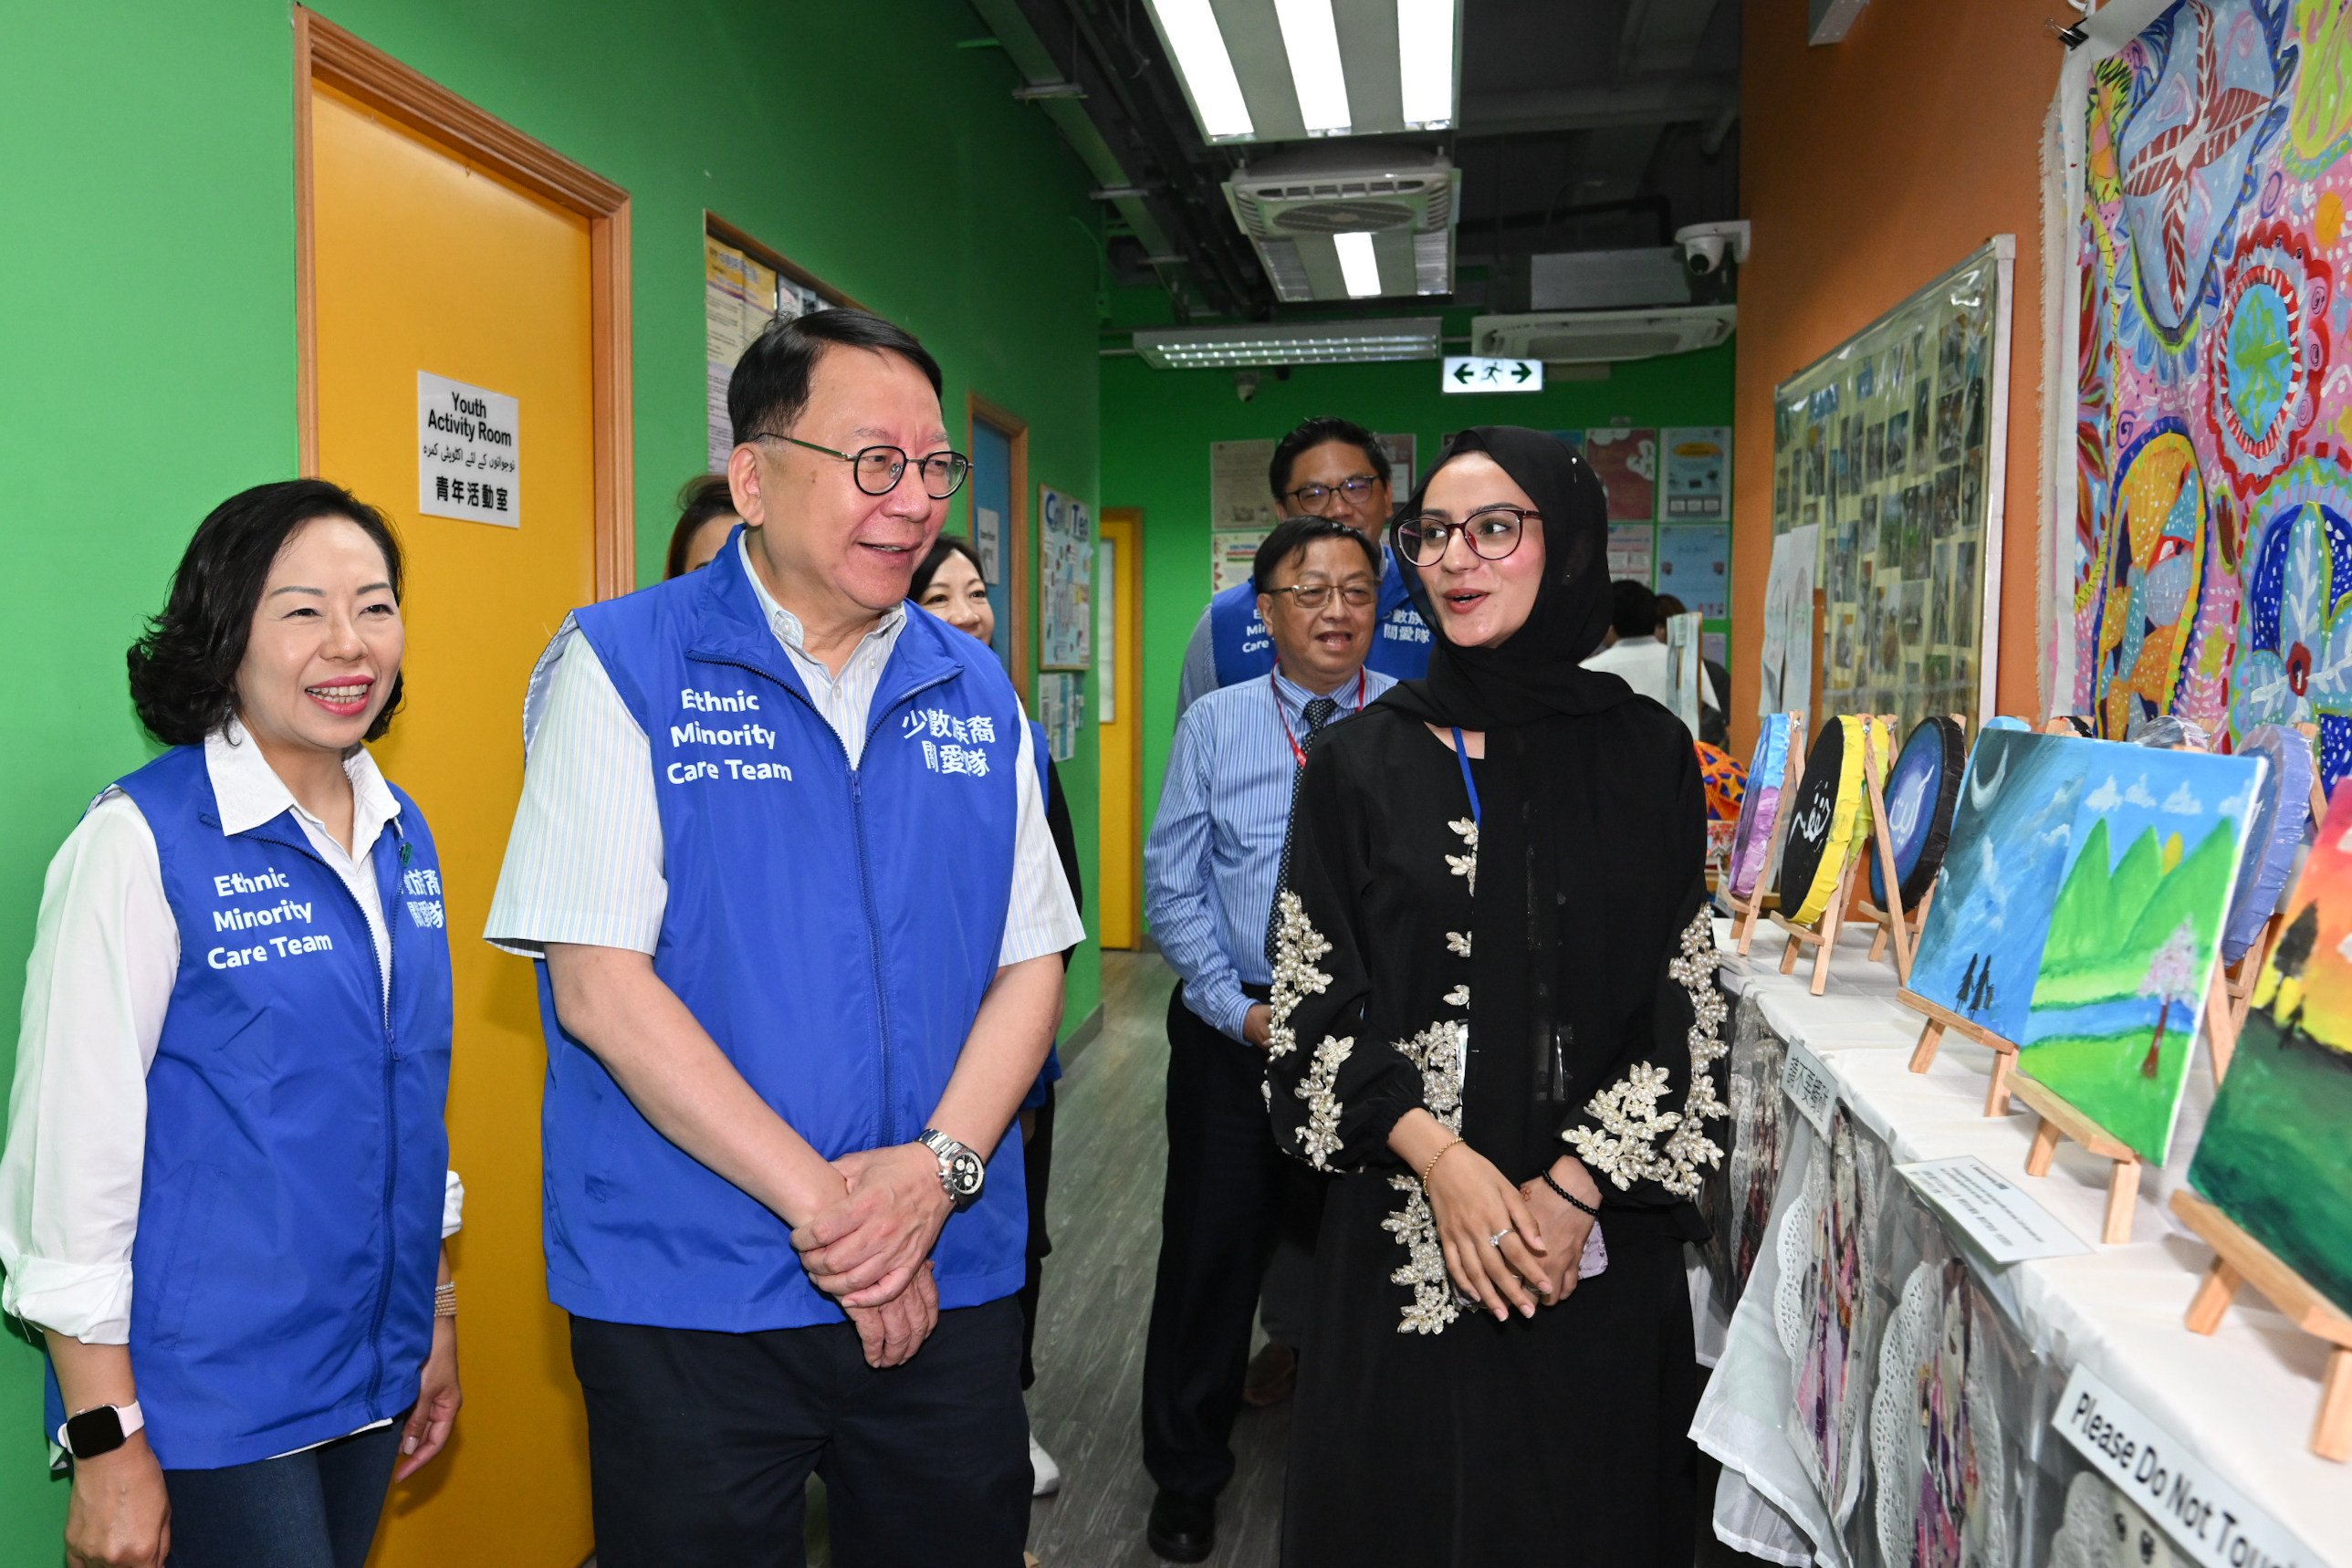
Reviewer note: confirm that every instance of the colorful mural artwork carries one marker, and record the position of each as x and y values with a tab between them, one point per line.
2276	1156
2211	555
2079	914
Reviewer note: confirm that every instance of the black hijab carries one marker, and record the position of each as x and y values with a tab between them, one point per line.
1540	671
1591	838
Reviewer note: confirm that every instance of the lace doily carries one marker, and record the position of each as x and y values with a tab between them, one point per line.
1822	1313
2104	1528
1935	1432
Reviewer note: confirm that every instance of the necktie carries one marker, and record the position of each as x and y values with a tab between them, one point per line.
1320	712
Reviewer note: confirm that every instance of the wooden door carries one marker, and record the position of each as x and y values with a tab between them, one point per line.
1120	734
427	254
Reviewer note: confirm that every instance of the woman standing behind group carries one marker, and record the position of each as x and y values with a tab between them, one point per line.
226	1183
1492	991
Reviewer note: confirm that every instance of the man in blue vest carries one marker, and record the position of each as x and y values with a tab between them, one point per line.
781	854
1326	467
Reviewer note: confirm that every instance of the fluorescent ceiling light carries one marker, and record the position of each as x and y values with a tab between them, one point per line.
1359	268
1300	342
1425	62
1190	29
1311	39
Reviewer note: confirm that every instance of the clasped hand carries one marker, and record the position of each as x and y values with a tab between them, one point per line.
1542	1239
871	1250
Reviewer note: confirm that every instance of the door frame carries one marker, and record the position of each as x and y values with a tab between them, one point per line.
978	410
325	54
1128	673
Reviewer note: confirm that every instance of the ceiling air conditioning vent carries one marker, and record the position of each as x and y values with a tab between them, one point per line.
1301	199
1601	337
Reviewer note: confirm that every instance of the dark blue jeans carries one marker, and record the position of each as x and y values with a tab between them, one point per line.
312	1510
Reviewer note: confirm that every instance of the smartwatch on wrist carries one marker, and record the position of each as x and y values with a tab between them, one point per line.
961	1173
100	1430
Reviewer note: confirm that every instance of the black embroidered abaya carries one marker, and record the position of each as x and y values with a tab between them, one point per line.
1538	979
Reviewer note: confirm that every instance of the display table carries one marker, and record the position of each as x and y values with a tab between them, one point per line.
2240	1400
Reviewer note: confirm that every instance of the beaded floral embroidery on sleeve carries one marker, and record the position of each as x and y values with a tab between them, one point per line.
1636	1139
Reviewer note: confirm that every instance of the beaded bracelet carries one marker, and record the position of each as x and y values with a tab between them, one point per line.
1426	1171
1570	1199
445	1299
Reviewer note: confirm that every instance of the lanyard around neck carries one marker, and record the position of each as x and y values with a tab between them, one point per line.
1462	756
1298	752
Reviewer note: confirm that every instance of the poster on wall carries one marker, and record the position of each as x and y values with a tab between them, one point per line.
1232	555
988	538
2205	495
1107	629
1065	560
468	452
1787	646
1694	566
1633	551
740	297
1627	461
1061	712
1698	473
1896	448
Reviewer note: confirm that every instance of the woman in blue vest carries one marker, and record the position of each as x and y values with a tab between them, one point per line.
948	583
227	1184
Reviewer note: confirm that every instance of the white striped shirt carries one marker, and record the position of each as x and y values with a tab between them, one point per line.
584	863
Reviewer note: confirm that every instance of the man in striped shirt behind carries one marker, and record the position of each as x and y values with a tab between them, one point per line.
1211	869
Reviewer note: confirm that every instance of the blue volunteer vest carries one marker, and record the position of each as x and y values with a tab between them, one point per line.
833	928
1244	651
290	1210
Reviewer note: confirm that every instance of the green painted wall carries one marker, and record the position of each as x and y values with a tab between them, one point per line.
1157	426
149	335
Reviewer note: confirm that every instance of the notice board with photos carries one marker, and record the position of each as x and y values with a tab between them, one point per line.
1242	509
1895	446
744	287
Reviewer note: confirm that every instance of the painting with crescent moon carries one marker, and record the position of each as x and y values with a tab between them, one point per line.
2078	915
2277	1155
2207	562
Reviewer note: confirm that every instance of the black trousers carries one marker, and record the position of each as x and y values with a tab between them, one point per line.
701	1444
1229	1192
1037	1173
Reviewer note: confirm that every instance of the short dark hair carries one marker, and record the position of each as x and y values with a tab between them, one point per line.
947	544
1669	607
1315	433
770	384
1292	536
1633	609
700	500
183	668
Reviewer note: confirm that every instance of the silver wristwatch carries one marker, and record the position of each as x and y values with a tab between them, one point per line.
961	1173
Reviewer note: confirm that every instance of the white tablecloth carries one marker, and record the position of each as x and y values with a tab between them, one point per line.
2242	1399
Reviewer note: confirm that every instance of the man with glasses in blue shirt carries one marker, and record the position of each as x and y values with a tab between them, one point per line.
1326	467
1210	871
781	852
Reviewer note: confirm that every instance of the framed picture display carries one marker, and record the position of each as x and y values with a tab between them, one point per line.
1065	559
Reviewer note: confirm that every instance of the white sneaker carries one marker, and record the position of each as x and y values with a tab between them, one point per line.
1046	1477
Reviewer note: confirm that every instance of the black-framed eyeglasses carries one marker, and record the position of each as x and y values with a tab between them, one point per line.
1356	489
1493	533
877	469
1314	596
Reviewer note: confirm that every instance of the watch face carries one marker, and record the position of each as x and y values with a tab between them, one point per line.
94	1432
964	1171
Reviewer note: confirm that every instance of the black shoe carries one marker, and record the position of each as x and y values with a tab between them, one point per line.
1182	1529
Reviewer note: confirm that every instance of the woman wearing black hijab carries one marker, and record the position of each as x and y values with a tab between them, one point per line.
1494	1018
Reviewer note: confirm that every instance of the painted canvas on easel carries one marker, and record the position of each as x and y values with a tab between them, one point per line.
1982	941
2135	933
2276	1156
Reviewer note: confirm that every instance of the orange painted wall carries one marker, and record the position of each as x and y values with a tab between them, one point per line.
1868	167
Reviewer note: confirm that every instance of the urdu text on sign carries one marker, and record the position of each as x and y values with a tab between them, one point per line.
468	452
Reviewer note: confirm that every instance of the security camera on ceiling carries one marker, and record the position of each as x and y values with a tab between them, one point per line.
1245	385
1708	247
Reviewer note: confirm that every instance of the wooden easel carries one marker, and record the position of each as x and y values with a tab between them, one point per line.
2060	1120
1822	936
1940	1019
2238	1259
1913	920
1745	912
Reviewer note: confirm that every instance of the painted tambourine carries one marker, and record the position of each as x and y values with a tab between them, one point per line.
2275	831
1759	807
1923	790
1823	822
